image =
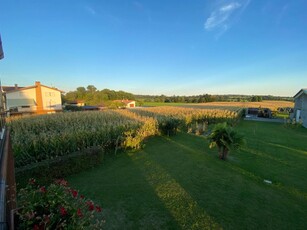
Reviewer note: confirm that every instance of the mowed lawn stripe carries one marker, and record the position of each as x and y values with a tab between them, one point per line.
181	176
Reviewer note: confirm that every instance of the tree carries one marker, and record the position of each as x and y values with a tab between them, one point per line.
225	138
92	89
81	93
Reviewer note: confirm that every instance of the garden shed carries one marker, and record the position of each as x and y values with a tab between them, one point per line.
300	107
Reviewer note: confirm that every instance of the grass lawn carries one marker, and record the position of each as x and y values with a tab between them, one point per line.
179	183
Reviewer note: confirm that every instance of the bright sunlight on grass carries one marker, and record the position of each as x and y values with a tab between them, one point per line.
179	183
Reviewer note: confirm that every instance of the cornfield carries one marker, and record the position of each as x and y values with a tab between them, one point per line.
188	119
40	138
45	137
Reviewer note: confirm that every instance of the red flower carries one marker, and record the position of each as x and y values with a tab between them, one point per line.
43	189
79	213
63	211
90	205
98	209
82	196
74	193
61	182
36	227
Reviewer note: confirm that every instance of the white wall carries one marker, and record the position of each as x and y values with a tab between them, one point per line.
23	94
131	103
51	99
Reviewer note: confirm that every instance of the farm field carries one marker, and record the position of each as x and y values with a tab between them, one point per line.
273	105
177	182
163	104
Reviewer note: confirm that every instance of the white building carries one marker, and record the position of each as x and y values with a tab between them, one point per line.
300	107
126	103
39	99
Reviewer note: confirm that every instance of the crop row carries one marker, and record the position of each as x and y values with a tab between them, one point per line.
170	119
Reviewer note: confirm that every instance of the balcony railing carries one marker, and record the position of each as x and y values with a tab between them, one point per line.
7	178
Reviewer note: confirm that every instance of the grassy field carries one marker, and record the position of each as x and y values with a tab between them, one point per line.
273	105
179	183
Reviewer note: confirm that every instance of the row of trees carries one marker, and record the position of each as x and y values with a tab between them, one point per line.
197	98
91	96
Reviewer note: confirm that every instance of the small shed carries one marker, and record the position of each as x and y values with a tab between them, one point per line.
300	107
127	103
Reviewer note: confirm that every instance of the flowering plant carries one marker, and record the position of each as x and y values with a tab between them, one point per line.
56	207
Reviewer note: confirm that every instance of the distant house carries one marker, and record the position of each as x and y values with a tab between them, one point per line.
300	107
75	103
37	99
127	103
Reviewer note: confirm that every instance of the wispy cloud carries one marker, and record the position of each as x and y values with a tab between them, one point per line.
141	8
282	13
223	16
90	10
230	7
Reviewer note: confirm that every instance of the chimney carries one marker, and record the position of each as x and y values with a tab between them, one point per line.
39	98
16	86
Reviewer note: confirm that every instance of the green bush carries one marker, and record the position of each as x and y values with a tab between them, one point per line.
169	125
60	167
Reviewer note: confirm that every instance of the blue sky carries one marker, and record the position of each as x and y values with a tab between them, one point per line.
171	47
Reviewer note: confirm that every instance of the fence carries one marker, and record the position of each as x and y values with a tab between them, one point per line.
7	178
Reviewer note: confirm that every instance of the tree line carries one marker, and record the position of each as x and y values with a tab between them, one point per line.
91	96
208	98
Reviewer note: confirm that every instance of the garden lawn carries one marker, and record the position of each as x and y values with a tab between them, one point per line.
179	183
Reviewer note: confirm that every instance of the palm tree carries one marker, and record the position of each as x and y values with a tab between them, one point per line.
226	139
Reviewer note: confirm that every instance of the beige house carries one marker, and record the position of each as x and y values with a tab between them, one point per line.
127	103
38	99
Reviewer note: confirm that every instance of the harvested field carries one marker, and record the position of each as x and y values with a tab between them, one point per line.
273	105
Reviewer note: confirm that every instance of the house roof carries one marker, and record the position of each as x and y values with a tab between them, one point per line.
89	107
11	89
302	91
124	101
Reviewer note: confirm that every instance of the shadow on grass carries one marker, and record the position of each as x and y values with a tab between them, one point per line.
230	194
127	198
184	209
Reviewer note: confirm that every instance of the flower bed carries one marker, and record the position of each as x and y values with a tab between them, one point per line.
56	207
